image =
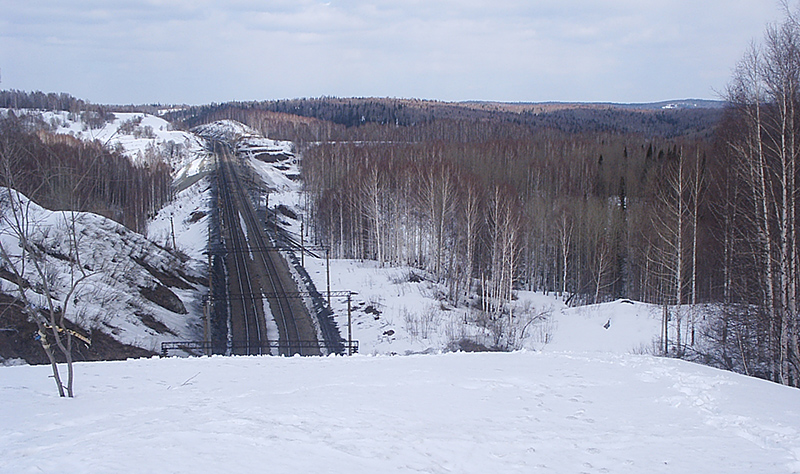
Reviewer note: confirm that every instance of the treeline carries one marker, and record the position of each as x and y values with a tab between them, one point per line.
557	212
15	99
94	116
336	119
675	221
61	172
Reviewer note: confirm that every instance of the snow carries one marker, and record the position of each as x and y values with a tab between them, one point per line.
489	412
133	143
413	320
632	327
188	214
110	298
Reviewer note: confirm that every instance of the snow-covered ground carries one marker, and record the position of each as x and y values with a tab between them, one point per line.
131	133
186	217
393	313
459	412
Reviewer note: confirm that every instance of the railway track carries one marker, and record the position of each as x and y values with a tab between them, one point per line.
257	275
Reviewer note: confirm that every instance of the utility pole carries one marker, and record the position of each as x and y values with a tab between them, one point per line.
209	306
349	325
206	326
172	226
328	272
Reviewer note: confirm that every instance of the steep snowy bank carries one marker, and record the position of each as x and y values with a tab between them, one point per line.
135	291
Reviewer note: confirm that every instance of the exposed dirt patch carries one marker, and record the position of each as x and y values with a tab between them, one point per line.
197	280
7	275
165	278
196	216
164	297
468	345
271	157
154	324
287	212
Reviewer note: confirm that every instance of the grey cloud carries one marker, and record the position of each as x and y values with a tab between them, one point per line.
203	50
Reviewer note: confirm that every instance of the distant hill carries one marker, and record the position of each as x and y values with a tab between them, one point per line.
546	107
689	117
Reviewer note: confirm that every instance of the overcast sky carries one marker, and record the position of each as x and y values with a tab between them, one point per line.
200	51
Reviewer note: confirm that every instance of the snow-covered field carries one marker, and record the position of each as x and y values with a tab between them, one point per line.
483	413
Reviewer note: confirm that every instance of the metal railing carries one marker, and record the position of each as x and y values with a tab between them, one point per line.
235	347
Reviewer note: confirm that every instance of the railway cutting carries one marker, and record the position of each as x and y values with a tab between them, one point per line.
256	310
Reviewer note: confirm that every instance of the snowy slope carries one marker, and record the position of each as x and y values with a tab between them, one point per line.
125	269
395	314
113	300
133	134
186	217
467	413
633	327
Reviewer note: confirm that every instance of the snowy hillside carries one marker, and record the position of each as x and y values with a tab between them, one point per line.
186	218
396	311
139	293
135	291
133	134
467	413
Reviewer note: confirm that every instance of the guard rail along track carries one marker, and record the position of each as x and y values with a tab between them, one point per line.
265	347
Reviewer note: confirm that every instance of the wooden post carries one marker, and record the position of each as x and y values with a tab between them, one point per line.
207	327
266	211
665	330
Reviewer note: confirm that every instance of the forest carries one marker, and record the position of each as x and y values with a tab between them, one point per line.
691	209
61	172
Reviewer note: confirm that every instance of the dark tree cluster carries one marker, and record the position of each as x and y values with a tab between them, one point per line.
61	172
14	99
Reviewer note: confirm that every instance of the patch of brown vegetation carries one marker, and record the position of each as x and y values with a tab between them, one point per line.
16	340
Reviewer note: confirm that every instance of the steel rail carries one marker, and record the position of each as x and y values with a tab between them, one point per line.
250	311
284	308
